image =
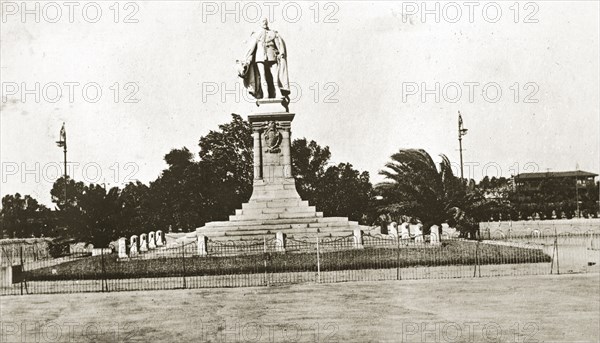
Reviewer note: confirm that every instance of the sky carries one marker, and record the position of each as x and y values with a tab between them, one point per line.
133	80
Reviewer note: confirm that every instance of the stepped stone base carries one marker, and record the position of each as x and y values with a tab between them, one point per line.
275	205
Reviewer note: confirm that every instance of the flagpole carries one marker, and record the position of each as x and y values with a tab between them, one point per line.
461	132
577	191
65	162
62	142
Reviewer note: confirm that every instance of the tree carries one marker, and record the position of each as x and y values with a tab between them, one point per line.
499	191
335	190
309	160
190	193
415	187
91	214
344	191
74	191
176	198
226	170
24	217
101	215
69	215
136	216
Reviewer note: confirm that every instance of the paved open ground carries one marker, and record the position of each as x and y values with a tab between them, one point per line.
563	308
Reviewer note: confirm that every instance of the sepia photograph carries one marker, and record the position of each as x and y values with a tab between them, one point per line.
299	171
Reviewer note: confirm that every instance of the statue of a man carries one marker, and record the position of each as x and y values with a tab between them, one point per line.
264	66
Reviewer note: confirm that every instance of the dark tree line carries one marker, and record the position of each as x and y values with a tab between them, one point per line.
23	216
191	192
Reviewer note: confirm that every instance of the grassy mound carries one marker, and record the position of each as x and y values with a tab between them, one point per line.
450	253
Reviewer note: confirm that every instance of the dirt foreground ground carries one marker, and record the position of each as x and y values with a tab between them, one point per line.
563	308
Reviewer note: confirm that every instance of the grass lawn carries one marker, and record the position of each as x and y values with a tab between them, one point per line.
564	308
450	253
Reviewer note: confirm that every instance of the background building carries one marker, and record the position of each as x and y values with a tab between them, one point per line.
555	194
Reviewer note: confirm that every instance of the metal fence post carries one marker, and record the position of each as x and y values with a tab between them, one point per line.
318	263
552	260
183	262
555	253
476	260
265	260
398	258
556	249
102	280
22	278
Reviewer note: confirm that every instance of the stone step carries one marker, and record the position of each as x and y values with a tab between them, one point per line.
262	222
269	216
275	203
278	227
270	196
284	227
273	216
269	187
333	224
304	236
334	219
273	227
269	210
275	187
297	209
274	190
271	231
279	221
272	181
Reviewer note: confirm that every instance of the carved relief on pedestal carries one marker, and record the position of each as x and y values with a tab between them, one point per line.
272	138
271	135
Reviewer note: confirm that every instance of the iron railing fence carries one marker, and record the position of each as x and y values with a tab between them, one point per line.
269	262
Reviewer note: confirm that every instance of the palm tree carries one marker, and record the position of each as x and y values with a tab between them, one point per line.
416	187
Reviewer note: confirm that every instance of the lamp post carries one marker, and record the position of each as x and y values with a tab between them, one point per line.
461	132
62	142
577	194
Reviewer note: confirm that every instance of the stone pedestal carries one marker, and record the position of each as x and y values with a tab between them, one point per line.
393	230
159	238
133	245
280	242
273	178
404	231
6	276
434	235
357	237
123	247
202	245
143	242
151	240
275	205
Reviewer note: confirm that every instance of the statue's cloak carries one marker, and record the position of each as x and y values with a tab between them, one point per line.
248	70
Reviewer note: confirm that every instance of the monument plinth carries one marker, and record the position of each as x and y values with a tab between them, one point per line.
273	178
275	205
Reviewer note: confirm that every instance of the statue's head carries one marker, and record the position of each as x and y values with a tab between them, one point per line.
264	23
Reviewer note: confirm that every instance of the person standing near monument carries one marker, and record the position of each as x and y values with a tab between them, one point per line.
264	66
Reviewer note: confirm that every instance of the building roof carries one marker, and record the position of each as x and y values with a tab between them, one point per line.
576	173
